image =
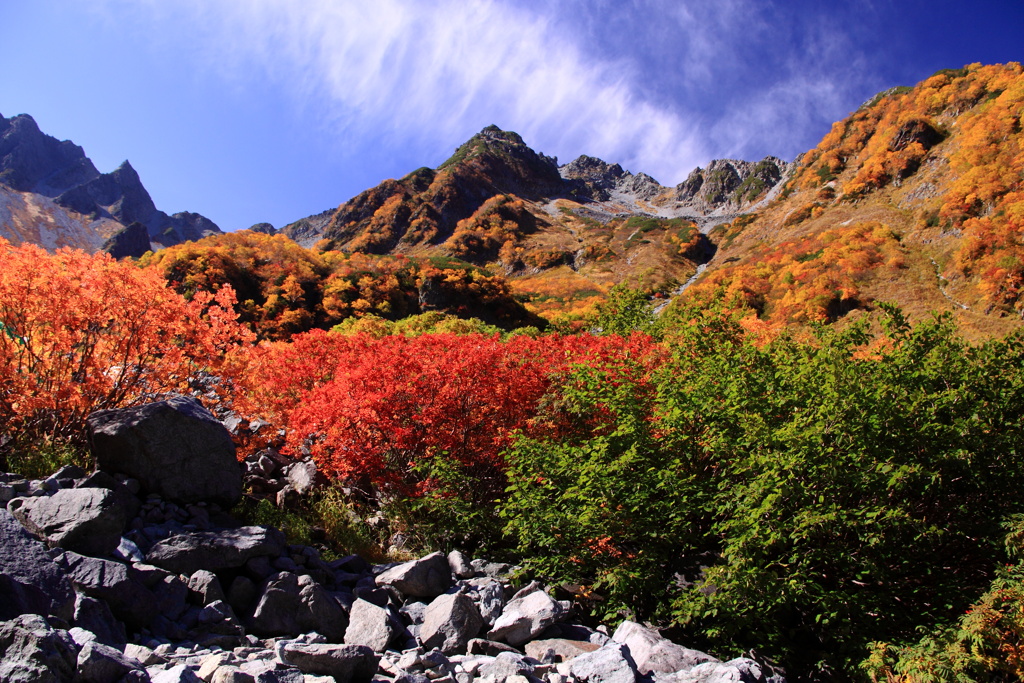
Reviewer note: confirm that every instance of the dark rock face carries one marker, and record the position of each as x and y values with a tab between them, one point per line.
264	228
346	663
131	242
173	447
30	582
915	130
31	161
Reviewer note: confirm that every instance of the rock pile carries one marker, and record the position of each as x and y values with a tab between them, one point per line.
106	578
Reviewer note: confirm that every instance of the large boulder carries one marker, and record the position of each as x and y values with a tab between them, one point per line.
292	605
98	663
89	520
95	616
30	582
608	664
114	583
739	670
558	649
655	654
449	623
426	577
215	550
346	663
174	447
370	625
33	651
525	617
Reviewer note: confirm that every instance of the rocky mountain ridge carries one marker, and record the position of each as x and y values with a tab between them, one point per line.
52	194
495	162
139	575
562	234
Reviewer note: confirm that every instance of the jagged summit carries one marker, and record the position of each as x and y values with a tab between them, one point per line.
31	161
425	207
53	195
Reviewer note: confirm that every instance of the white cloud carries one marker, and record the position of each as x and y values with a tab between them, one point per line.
430	73
441	70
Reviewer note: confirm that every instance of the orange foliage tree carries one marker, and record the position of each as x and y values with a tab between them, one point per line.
82	332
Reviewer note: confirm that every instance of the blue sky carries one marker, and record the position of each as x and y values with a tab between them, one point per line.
271	110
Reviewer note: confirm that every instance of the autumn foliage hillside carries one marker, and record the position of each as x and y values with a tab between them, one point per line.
283	288
938	168
498	204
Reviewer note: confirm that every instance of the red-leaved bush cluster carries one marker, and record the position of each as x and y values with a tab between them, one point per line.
373	411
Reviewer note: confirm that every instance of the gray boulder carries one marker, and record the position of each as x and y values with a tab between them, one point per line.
426	577
98	663
33	651
460	566
95	616
608	664
88	521
740	670
507	664
489	596
370	625
655	654
30	582
558	649
346	663
176	674
525	617
301	476
449	623
204	587
174	447
291	605
214	551
114	583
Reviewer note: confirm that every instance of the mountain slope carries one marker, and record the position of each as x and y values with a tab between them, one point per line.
51	194
917	198
563	234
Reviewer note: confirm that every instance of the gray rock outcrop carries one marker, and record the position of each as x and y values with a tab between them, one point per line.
32	651
525	617
298	604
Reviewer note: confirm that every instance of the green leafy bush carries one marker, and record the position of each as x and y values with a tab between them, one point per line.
803	497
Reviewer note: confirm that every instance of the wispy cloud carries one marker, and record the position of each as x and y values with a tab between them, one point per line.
430	73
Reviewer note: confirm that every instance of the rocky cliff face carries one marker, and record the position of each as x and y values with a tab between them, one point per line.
57	197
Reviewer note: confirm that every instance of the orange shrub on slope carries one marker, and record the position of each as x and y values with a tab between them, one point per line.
81	332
